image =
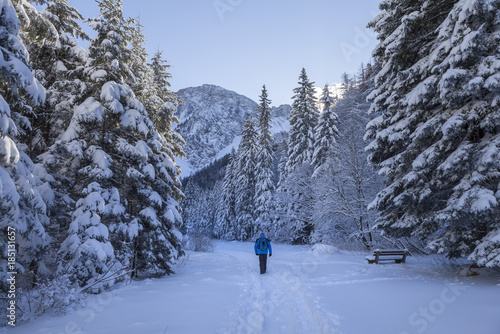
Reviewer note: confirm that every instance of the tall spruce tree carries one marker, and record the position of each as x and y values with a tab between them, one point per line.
162	104
437	140
124	168
86	145
326	133
59	67
22	196
245	181
301	143
264	187
303	120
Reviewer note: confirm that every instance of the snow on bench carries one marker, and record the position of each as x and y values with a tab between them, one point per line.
398	255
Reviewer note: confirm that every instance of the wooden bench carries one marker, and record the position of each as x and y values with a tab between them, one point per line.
398	255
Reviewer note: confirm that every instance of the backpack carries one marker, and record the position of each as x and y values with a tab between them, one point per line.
263	245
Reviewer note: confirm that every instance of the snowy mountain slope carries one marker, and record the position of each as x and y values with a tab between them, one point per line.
303	291
211	119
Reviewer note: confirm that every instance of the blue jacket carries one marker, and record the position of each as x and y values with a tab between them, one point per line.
259	251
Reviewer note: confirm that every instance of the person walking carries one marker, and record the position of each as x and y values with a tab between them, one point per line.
262	247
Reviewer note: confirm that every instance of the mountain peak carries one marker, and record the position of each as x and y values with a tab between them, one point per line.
211	119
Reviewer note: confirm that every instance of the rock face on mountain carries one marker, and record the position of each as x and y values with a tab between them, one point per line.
211	120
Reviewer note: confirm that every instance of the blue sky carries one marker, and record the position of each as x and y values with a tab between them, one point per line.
243	44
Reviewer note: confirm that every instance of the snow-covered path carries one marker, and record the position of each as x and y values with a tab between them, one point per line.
276	302
303	292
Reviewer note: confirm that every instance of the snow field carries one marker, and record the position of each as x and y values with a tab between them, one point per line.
303	291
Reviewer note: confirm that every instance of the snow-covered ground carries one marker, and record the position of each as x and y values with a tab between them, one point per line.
303	292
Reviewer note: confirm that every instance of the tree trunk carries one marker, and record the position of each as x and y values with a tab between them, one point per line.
133	271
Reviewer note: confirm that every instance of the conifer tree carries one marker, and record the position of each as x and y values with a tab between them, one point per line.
22	196
264	187
437	137
245	181
162	104
226	219
326	133
301	143
58	65
303	120
264	119
122	162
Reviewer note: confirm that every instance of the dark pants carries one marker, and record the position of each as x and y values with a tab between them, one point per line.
263	262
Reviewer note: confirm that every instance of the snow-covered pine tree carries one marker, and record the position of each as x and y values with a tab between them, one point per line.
245	180
301	141
437	140
22	196
122	163
303	120
264	120
326	133
151	83
58	65
226	218
325	159
162	104
264	186
87	252
84	151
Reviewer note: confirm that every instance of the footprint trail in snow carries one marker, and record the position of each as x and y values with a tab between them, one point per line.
277	302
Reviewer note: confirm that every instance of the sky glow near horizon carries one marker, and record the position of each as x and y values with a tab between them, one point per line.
243	44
